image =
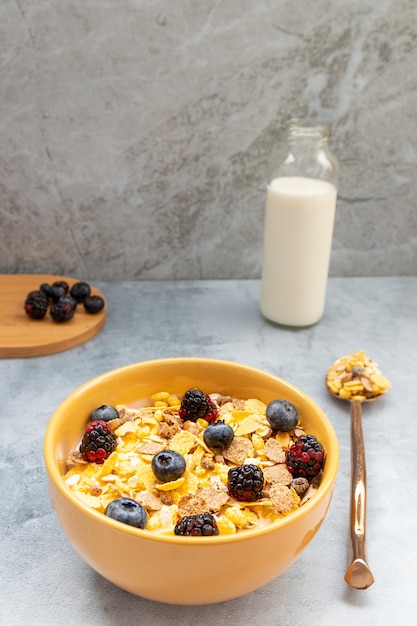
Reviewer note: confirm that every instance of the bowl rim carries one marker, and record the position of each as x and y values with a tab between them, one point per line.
56	477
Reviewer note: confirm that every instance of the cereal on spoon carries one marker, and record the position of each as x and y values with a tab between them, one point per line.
356	377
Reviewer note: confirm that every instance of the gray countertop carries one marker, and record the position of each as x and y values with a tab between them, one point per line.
44	581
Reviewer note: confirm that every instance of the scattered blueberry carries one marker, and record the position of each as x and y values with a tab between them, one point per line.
63	284
105	412
93	304
45	288
56	292
282	415
168	465
218	435
80	291
128	511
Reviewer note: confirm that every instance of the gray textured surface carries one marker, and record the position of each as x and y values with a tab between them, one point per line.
43	580
135	136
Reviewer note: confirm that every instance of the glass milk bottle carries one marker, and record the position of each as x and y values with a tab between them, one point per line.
298	232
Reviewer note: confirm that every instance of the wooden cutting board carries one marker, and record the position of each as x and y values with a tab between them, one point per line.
21	336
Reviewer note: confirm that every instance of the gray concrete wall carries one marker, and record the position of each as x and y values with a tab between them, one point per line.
135	135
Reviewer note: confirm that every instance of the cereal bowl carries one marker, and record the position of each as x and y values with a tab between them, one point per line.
182	569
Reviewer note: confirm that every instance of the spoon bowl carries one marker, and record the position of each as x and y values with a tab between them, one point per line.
356	388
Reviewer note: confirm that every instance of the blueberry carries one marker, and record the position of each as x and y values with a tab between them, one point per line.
56	292
45	288
282	415
218	435
93	304
168	465
80	291
104	412
128	511
63	284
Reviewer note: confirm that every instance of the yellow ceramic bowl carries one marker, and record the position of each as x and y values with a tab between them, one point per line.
183	570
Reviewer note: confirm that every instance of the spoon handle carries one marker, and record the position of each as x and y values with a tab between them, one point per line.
358	574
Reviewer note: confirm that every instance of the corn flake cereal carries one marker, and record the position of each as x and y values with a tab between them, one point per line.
143	432
356	377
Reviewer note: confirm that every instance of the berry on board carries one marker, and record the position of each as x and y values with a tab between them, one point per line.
71	300
63	284
37	293
36	305
45	288
63	310
80	291
63	300
56	292
93	304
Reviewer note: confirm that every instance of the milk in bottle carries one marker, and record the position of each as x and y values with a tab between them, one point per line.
298	230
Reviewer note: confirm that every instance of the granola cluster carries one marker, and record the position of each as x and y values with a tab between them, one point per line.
356	377
143	432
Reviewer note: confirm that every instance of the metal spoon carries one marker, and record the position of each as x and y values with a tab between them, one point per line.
358	574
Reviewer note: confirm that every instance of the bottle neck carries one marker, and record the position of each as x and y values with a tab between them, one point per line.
304	137
308	153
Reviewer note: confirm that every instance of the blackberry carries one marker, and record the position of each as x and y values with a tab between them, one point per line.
245	482
63	310
196	404
38	294
98	442
36	305
71	300
202	525
93	304
305	457
80	291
